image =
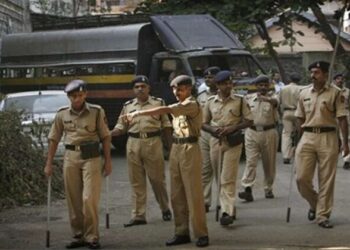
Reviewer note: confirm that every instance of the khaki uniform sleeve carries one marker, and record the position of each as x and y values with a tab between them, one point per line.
102	127
206	113
340	105
300	112
246	112
165	119
190	109
57	128
121	123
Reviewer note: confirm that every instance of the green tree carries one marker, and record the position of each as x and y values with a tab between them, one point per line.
242	16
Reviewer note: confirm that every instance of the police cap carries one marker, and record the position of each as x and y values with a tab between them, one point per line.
322	65
181	80
139	79
75	85
223	75
211	71
260	79
337	75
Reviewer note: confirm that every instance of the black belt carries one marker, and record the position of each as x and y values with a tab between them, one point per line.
289	109
183	140
72	147
144	135
319	129
263	128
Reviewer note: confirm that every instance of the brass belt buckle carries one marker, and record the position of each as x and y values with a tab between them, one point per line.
259	128
316	130
77	148
143	135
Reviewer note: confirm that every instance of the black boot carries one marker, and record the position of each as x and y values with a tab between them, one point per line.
246	195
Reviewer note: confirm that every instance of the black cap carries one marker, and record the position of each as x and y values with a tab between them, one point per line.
223	75
324	66
181	80
75	85
337	75
140	78
211	71
261	78
295	77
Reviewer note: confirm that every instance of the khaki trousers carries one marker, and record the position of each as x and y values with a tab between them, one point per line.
208	171
186	189
289	128
145	158
230	157
82	181
264	144
319	150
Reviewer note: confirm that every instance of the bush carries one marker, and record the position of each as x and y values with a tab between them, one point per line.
22	179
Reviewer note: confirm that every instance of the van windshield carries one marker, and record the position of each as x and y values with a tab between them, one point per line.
242	66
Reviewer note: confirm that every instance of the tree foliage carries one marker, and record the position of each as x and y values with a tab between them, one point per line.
246	17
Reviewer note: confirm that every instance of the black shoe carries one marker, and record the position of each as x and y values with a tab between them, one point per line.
286	161
207	208
93	245
202	241
76	244
269	194
311	214
166	215
246	194
326	224
178	240
346	165
134	222
226	219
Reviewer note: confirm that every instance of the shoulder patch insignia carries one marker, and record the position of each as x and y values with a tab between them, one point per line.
63	108
128	102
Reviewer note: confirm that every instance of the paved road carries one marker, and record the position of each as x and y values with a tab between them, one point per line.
260	224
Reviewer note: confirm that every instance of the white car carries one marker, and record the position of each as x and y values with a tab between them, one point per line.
38	110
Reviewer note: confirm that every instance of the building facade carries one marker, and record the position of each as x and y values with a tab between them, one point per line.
14	16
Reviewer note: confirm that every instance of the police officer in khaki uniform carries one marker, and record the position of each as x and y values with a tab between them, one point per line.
288	99
83	126
225	113
338	80
185	163
145	151
204	139
320	106
261	139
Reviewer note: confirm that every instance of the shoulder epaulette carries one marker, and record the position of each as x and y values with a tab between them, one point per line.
211	97
128	102
157	99
238	95
63	108
95	106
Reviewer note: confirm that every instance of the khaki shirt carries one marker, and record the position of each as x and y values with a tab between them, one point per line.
218	112
143	124
203	97
320	109
88	125
346	93
289	96
187	118
264	113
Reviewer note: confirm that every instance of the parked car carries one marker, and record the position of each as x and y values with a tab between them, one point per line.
38	110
